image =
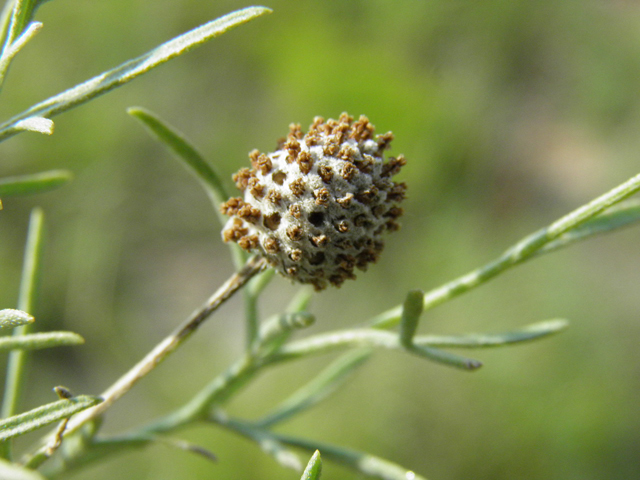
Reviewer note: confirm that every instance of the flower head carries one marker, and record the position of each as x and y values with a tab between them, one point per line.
316	208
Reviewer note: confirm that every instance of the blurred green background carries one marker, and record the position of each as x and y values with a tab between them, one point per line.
510	113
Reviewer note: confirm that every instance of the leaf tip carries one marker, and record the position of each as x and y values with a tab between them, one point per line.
136	111
314	467
473	365
10	318
36	124
410	317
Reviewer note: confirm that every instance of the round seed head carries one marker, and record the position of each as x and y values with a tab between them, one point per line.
317	207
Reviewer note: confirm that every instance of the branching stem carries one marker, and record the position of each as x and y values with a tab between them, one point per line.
169	344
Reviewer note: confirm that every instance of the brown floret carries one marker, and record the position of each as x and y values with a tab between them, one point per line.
362	129
271	245
326	173
393	166
397	192
248	242
294	233
248	213
322	196
242	177
295	131
349	171
263	164
384	142
295	211
297	187
274	197
305	162
231	206
256	188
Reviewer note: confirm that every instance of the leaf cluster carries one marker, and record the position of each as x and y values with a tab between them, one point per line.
269	342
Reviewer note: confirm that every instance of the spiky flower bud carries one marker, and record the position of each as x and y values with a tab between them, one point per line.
317	207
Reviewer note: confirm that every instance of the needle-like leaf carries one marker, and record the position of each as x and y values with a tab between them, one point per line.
411	311
318	388
34	183
11	318
314	468
44	415
133	68
38	341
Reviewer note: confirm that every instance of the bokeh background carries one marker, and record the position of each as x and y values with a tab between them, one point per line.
511	113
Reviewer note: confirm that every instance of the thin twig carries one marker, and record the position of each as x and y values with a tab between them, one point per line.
169	344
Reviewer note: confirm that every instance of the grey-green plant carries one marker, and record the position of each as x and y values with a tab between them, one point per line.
78	441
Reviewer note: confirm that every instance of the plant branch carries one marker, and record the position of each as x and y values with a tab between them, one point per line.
133	68
364	463
525	249
169	344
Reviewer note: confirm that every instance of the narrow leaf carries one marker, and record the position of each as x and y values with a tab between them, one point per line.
531	332
186	447
260	282
29	284
34	183
184	151
314	468
10	318
446	358
411	311
38	341
100	449
366	338
23	12
44	415
301	300
15	46
12	471
363	463
622	215
277	329
319	388
195	163
267	441
36	124
527	248
133	68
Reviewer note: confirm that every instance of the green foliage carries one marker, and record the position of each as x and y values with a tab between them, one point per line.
37	341
10	318
129	70
45	415
314	468
13	471
271	341
34	183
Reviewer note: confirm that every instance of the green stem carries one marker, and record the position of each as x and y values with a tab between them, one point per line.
122	74
26	302
214	394
518	253
369	465
159	353
251	317
16	364
251	295
167	346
